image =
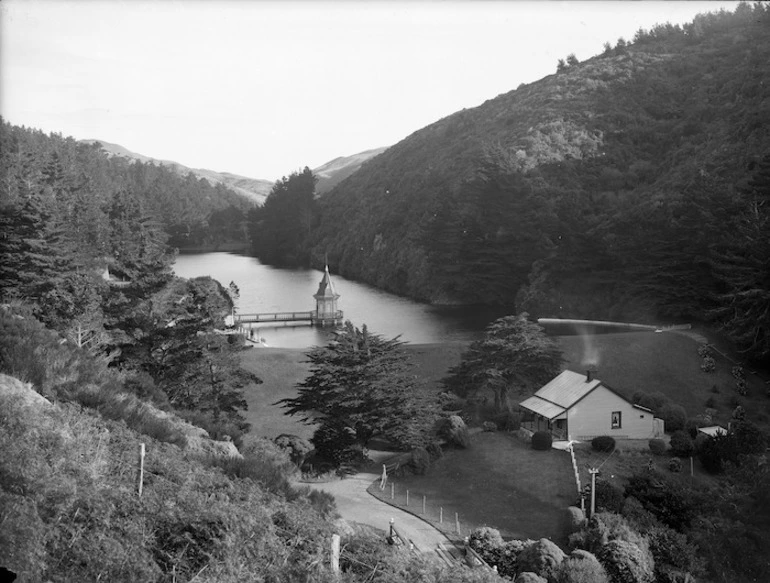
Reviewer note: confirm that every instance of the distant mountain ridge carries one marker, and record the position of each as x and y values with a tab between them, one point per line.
337	170
255	189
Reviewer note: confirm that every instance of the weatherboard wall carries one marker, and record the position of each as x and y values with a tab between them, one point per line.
592	416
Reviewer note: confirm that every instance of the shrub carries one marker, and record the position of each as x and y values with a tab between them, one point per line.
657	446
636	514
450	402
603	443
704	350
601	528
608	497
741	388
420	461
489	426
508	421
528	577
669	501
708	365
626	562
295	446
541	558
674	416
682	444
675	465
711	403
454	431
434	450
542	440
738	372
580	569
674	555
575	519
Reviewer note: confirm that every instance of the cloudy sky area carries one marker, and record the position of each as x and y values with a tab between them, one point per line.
264	88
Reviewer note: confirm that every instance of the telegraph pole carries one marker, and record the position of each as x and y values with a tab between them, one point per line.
593	472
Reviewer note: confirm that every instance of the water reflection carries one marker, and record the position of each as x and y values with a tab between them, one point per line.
269	289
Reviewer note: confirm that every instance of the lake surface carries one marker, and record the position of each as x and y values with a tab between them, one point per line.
269	289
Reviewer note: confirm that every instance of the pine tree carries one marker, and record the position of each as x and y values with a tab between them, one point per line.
742	266
515	354
360	385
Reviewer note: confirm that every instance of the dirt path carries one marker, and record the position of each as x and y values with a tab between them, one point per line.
355	504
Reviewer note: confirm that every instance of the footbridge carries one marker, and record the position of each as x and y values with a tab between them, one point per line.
325	313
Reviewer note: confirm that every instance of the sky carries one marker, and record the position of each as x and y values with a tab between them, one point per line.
263	88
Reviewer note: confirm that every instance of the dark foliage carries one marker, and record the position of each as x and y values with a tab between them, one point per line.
673	504
542	440
603	443
515	354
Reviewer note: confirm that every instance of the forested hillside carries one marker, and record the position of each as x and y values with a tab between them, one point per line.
634	184
78	179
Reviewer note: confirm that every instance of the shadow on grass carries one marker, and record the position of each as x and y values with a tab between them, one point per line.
498	482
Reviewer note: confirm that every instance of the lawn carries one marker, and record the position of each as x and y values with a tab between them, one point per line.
281	369
498	482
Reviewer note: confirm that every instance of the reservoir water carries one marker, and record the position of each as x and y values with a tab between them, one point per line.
269	289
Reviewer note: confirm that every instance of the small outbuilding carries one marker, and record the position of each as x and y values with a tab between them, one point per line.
578	407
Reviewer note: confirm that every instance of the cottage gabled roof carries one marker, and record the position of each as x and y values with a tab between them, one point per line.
559	394
564	391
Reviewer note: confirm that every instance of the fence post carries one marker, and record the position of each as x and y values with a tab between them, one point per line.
441	515
423	503
392	490
141	468
457	522
335	559
407	497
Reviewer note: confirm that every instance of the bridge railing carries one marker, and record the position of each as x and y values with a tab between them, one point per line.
275	317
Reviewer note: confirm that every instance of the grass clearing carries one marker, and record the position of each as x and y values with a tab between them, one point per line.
280	370
499	482
667	363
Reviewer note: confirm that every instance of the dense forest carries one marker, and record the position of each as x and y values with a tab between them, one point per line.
73	179
631	185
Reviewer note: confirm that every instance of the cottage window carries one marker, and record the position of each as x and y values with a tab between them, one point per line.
616	420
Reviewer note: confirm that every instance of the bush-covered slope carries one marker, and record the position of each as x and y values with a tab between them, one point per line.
82	176
617	187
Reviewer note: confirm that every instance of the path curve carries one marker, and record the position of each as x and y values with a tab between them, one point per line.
355	504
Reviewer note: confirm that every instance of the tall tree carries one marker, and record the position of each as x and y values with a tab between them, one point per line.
742	265
515	354
280	229
360	386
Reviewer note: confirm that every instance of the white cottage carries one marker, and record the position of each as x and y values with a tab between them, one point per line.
578	407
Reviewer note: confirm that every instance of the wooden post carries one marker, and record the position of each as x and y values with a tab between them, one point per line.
441	514
407	497
457	522
392	490
423	503
141	468
335	558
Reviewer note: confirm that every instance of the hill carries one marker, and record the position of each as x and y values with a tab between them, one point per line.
255	189
337	170
622	186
